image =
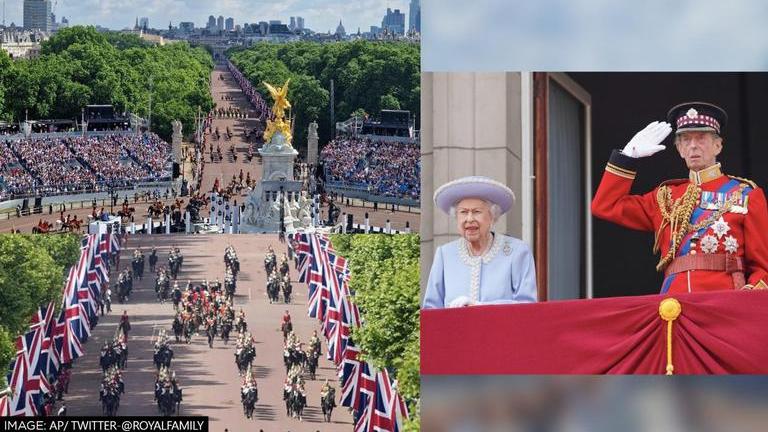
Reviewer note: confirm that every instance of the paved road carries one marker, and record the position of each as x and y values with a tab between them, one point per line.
208	376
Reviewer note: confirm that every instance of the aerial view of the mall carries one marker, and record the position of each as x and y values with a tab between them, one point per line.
209	215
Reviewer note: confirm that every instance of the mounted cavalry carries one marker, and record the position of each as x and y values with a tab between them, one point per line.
175	260
245	352
270	261
327	400
249	393
114	353
168	393
137	264
124	285
153	259
231	261
273	288
162	284
163	353
111	388
295	398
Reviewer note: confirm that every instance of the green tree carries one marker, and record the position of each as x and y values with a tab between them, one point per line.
362	71
64	38
385	286
389	102
80	66
32	273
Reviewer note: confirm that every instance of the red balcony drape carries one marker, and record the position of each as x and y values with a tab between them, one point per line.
717	333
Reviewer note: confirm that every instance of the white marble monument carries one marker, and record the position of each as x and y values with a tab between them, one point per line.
277	193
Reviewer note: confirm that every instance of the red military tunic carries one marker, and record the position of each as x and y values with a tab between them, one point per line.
729	222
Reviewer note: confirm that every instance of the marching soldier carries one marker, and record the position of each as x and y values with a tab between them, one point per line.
711	227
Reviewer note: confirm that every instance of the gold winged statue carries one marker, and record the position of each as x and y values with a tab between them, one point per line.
280	123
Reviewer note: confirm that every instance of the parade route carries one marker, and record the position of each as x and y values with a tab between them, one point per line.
208	377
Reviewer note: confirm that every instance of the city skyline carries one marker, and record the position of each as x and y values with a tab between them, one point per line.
319	15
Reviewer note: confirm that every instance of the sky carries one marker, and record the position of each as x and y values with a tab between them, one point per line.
590	35
319	15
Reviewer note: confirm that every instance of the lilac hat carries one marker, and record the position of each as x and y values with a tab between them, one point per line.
449	194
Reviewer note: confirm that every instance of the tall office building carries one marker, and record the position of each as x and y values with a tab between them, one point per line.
220	23
229	24
187	26
414	16
211	23
394	22
37	15
299	23
144	23
292	25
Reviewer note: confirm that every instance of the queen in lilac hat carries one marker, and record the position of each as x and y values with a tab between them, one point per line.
481	267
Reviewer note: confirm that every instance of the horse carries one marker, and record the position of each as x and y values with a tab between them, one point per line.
162	357
286	328
107	358
138	266
229	288
241	325
295	403
152	260
189	329
226	328
162	286
176	295
168	399
244	357
110	401
273	290
249	399
122	360
178	328
287	288
328	402
292	357
270	263
312	361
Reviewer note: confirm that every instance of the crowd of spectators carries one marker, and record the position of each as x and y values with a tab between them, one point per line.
382	167
13	178
108	158
151	150
53	165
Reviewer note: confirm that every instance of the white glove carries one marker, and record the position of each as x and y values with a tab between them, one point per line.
460	302
648	141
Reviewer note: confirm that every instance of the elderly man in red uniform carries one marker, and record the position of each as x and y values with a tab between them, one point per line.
711	228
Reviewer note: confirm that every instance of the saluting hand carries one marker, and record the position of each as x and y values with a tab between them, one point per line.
648	141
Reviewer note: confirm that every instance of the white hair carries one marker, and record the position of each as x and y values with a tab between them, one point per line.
492	206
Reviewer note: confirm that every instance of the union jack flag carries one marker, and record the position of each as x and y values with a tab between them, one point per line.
28	386
350	371
72	327
364	404
316	279
385	409
367	387
114	243
44	322
339	264
4	406
303	250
